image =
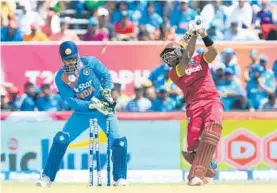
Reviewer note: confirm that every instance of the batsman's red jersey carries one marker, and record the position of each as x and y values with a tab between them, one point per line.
197	82
202	99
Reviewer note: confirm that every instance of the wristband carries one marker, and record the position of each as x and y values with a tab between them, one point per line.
208	41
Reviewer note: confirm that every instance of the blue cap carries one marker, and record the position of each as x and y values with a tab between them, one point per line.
229	51
229	71
93	21
263	59
162	89
200	50
257	68
213	25
253	53
68	50
234	23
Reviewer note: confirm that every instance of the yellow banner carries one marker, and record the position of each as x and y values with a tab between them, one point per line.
245	144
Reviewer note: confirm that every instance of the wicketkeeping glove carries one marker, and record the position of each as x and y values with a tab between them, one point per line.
107	98
100	106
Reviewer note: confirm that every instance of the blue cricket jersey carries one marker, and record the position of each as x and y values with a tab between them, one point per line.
91	77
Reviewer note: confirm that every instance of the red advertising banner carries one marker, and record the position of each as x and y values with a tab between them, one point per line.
130	62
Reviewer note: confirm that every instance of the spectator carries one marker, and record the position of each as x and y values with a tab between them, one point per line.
125	29
52	24
229	89
120	98
158	75
274	69
36	34
272	34
13	95
214	12
218	75
241	13
4	103
215	33
48	101
94	33
259	86
270	104
235	33
65	33
149	91
88	5
139	103
265	14
167	32
28	18
11	33
27	100
180	18
151	18
143	36
229	60
104	24
163	103
116	15
7	9
265	18
253	58
267	73
242	104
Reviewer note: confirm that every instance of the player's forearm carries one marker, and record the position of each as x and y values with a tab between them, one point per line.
77	104
188	53
212	52
107	81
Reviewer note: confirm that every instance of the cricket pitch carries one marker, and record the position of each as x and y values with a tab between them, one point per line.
259	187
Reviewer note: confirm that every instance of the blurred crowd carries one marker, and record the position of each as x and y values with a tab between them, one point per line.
90	20
257	92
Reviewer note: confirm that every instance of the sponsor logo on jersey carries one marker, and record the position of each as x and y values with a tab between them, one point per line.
191	70
83	86
191	62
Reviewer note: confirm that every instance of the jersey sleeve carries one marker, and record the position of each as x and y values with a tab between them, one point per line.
202	58
68	95
102	72
173	74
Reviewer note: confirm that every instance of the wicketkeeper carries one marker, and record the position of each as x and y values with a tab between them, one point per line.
85	84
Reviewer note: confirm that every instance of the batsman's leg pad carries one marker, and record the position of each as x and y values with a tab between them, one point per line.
57	151
189	157
119	158
208	142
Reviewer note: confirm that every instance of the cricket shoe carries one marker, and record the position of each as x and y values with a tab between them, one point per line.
195	181
121	182
44	182
208	180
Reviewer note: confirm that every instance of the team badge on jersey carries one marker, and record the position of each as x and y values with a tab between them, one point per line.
191	62
86	71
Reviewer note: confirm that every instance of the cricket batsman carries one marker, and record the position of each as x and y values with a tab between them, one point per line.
204	108
85	84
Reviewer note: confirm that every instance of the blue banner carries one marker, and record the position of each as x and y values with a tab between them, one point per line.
152	145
